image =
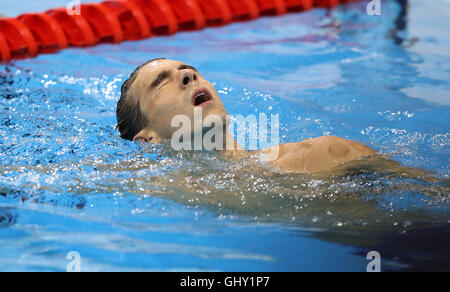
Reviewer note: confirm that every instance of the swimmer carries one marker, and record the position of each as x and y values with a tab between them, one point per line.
162	89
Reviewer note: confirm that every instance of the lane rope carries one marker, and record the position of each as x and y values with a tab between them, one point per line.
114	21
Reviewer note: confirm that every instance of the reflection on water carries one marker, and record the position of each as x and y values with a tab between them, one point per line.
375	194
375	204
68	182
7	217
400	23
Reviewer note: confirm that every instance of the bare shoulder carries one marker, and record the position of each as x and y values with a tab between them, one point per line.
318	154
341	147
330	145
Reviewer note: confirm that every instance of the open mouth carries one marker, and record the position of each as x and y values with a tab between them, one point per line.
201	97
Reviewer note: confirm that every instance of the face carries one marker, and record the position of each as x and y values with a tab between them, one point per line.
167	88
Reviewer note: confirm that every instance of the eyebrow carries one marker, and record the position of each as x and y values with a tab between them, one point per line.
184	67
165	74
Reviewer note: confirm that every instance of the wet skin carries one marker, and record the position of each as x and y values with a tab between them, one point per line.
167	88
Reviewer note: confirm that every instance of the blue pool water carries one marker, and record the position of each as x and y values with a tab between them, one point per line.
69	183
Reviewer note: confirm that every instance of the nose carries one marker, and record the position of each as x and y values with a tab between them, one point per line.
187	77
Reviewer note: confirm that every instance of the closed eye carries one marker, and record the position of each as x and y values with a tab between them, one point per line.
161	77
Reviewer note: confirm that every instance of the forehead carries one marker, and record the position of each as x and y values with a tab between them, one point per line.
156	67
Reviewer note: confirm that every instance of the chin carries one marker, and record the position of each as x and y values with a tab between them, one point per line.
216	112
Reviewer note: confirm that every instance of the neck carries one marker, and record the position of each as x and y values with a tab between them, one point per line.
230	144
231	147
224	144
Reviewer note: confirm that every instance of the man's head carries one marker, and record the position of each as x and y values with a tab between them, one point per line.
158	91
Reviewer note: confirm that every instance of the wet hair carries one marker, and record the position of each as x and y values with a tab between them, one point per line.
130	120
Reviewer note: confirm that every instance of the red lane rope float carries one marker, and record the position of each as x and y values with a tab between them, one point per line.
48	34
116	20
188	13
159	15
104	24
76	28
326	3
19	38
217	12
244	10
5	54
132	20
271	7
299	5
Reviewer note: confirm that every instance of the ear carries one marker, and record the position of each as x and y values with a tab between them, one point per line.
147	136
